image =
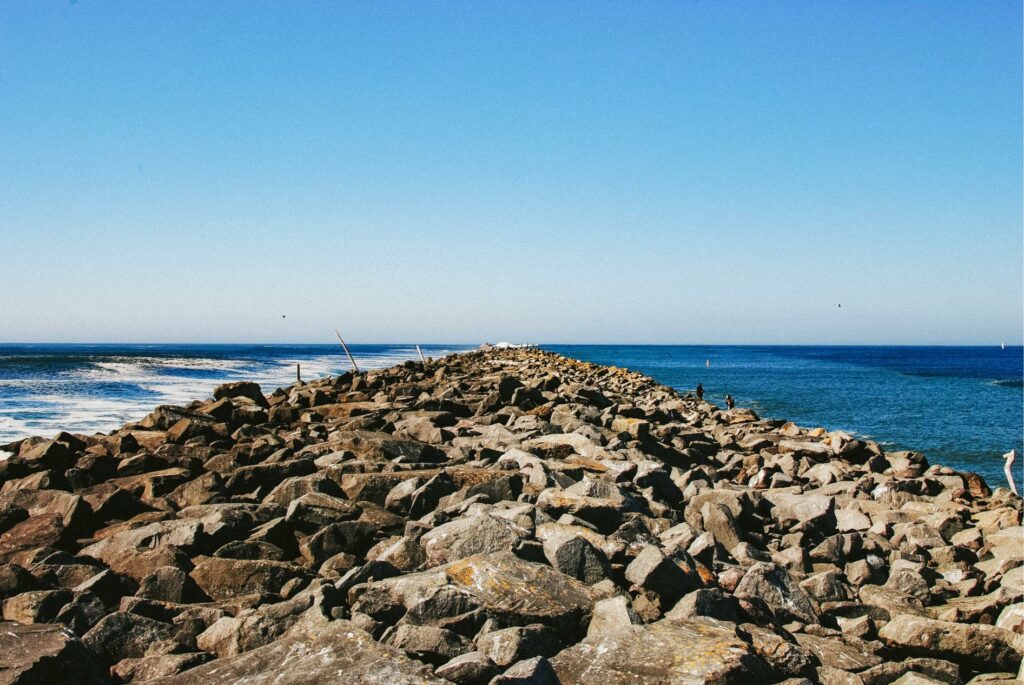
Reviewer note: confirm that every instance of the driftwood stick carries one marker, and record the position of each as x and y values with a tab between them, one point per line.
345	347
420	353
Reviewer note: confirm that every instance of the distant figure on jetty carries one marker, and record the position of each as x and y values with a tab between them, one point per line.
700	391
730	402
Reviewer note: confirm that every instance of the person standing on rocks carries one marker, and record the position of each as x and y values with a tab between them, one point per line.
730	402
700	391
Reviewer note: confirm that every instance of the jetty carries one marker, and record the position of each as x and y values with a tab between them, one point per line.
503	516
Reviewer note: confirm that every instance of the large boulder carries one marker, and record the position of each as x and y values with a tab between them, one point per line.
773	585
123	635
500	585
817	511
338	652
468	536
241	389
977	646
690	652
44	655
575	556
225	578
523	592
653	571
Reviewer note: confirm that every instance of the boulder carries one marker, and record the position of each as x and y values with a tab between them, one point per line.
155	666
653	571
39	606
816	511
981	647
428	643
337	652
353	537
45	655
467	536
241	389
577	557
688	651
123	635
535	671
773	585
471	668
509	645
227	578
843	653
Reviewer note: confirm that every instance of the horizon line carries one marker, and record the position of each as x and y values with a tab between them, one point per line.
543	344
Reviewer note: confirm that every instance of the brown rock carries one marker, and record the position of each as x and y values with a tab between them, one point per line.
338	652
45	655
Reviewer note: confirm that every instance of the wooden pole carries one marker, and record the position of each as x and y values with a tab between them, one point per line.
298	372
345	347
420	352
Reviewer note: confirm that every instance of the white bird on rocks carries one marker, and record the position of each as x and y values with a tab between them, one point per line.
1009	457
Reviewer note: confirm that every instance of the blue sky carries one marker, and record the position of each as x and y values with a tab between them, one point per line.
678	172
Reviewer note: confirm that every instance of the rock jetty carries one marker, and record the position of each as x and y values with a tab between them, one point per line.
506	516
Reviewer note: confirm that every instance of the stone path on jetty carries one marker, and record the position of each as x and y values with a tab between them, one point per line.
504	516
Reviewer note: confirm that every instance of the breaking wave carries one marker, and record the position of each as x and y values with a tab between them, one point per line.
87	391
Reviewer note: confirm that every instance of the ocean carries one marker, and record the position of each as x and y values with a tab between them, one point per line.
961	406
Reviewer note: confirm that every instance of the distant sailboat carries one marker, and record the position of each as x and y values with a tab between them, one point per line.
707	363
1003	345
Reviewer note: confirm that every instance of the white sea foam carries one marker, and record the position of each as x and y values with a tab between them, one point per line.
80	401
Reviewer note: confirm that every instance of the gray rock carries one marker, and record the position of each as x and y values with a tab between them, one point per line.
781	652
428	643
471	668
711	602
774	586
535	671
467	536
610	615
843	653
720	522
509	645
575	556
652	570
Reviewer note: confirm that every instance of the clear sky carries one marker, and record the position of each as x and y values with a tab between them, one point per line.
677	172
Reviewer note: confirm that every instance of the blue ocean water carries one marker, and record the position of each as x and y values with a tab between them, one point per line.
961	406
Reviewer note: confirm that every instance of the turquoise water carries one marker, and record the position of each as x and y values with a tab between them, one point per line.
961	406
